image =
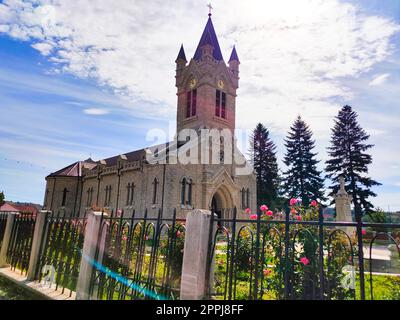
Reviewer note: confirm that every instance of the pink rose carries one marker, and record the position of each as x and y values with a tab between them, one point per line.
248	211
293	202
178	233
270	213
253	217
299	218
314	203
305	261
264	208
267	272
124	238
364	232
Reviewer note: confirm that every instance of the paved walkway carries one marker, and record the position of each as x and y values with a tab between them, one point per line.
378	253
45	291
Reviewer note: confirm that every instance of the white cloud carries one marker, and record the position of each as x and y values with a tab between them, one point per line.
379	79
44	48
294	53
96	111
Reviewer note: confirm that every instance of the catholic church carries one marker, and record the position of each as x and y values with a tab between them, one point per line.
206	99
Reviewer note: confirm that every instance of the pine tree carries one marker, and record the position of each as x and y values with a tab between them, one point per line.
302	179
348	158
264	160
2	198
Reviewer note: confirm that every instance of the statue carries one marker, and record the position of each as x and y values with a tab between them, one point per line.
343	206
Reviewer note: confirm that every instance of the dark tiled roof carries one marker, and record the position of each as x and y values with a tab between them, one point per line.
209	37
6	207
181	55
75	169
131	156
27	209
234	55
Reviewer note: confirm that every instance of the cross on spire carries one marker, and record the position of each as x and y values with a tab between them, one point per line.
210	7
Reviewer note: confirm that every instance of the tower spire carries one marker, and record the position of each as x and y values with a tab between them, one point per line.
209	37
181	55
234	55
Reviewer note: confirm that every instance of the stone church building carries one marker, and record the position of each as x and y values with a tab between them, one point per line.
206	91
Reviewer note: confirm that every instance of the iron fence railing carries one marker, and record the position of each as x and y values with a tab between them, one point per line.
19	249
61	251
290	259
141	259
3	223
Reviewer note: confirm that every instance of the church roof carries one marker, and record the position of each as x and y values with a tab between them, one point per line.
6	207
131	156
209	37
234	55
181	55
75	169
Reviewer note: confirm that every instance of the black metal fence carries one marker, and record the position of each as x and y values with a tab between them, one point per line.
288	258
61	252
3	223
141	259
19	250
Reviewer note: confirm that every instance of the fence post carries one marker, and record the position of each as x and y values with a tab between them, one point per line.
6	239
92	233
36	244
195	256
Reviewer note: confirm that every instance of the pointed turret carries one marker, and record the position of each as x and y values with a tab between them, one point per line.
180	63
209	40
234	65
234	55
181	55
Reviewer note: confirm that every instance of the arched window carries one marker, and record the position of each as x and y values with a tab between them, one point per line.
89	197
155	189
130	194
183	191
191	103
186	192
220	104
107	198
243	192
64	197
189	197
248	198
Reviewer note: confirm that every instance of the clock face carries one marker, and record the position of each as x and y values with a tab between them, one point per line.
221	84
192	83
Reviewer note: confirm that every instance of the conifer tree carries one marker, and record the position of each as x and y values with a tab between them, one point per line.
264	160
302	179
348	158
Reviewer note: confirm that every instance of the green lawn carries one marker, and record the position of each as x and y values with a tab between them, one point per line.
10	291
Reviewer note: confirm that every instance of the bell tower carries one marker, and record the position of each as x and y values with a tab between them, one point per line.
207	85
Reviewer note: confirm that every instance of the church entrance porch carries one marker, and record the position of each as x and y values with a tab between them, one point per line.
222	204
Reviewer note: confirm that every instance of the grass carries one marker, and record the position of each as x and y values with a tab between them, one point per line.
10	291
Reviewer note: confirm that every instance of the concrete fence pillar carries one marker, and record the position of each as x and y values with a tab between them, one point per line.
394	258
196	271
38	235
7	239
87	267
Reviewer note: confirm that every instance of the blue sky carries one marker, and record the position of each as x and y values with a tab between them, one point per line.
81	80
